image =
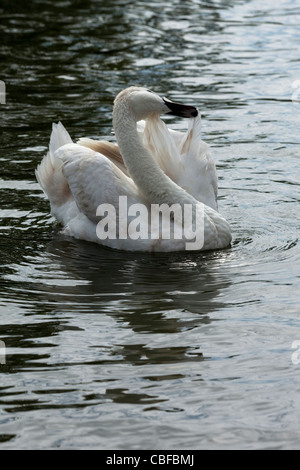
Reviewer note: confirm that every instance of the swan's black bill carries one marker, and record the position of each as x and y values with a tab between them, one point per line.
181	110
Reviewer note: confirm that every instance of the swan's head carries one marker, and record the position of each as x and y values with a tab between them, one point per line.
143	102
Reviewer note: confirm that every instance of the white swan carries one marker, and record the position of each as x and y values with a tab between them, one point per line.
150	165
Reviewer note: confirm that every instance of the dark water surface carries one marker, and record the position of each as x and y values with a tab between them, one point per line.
108	350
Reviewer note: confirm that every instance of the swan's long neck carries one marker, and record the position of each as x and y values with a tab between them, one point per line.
157	187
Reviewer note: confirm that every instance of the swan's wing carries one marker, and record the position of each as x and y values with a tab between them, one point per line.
94	179
184	157
109	149
199	177
176	135
162	144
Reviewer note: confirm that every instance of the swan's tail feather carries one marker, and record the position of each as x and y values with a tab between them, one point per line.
49	173
59	137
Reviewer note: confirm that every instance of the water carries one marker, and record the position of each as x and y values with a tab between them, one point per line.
107	350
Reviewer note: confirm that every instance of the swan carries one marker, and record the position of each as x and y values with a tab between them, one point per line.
88	182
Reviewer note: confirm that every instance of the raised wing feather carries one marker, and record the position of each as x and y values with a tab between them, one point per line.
184	157
199	177
158	139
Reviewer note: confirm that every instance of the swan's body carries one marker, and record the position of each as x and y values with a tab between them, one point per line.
150	165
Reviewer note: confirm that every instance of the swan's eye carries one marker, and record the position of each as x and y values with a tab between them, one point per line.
150	91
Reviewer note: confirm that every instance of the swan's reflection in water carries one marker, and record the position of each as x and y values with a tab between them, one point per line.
142	283
94	314
149	294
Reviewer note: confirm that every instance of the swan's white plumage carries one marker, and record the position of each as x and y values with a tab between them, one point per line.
78	177
52	180
183	156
